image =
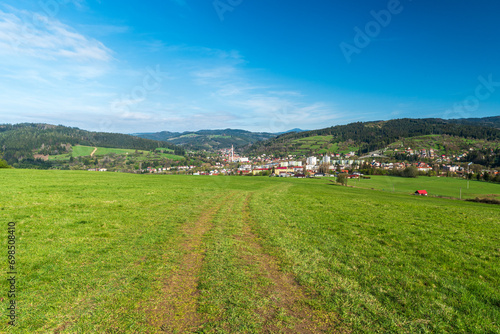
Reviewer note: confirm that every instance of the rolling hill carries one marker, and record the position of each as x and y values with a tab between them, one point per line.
362	138
22	143
210	139
493	122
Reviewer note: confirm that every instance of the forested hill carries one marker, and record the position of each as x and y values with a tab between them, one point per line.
22	141
371	136
485	121
210	139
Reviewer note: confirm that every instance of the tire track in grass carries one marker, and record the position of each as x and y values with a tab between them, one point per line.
178	312
288	310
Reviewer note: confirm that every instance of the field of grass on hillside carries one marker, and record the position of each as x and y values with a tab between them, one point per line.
435	186
321	145
125	253
82	151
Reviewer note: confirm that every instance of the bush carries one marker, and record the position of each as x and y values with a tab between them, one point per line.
4	164
342	179
484	200
411	171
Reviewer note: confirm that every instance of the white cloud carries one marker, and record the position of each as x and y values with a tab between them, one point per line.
49	71
24	33
55	73
137	116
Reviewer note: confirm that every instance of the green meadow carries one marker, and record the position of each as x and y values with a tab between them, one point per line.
126	253
83	151
435	186
321	145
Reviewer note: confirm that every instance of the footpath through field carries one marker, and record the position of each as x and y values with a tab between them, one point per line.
227	282
124	253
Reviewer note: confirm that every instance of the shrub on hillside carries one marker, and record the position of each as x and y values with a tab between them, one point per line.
484	200
4	164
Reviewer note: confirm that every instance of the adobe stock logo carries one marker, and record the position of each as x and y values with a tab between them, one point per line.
471	103
150	83
223	6
372	29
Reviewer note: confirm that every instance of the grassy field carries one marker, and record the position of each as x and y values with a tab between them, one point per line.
124	253
77	151
435	186
149	156
164	149
118	151
321	145
82	151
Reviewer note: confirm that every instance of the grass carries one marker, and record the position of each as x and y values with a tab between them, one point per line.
321	145
80	150
388	263
164	149
189	135
118	151
218	136
435	186
96	251
77	151
149	156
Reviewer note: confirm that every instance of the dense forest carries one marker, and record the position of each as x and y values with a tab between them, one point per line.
371	136
485	121
19	143
210	139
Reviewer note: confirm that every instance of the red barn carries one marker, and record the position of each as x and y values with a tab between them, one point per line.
421	192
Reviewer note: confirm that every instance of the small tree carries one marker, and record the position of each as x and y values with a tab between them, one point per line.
411	171
324	168
342	179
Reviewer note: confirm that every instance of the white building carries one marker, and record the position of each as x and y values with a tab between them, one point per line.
326	159
312	161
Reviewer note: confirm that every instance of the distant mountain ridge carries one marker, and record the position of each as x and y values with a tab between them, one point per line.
213	139
209	139
295	130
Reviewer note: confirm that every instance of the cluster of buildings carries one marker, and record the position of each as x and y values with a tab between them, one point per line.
228	162
97	169
431	154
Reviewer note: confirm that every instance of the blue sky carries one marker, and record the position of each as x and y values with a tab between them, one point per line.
178	65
